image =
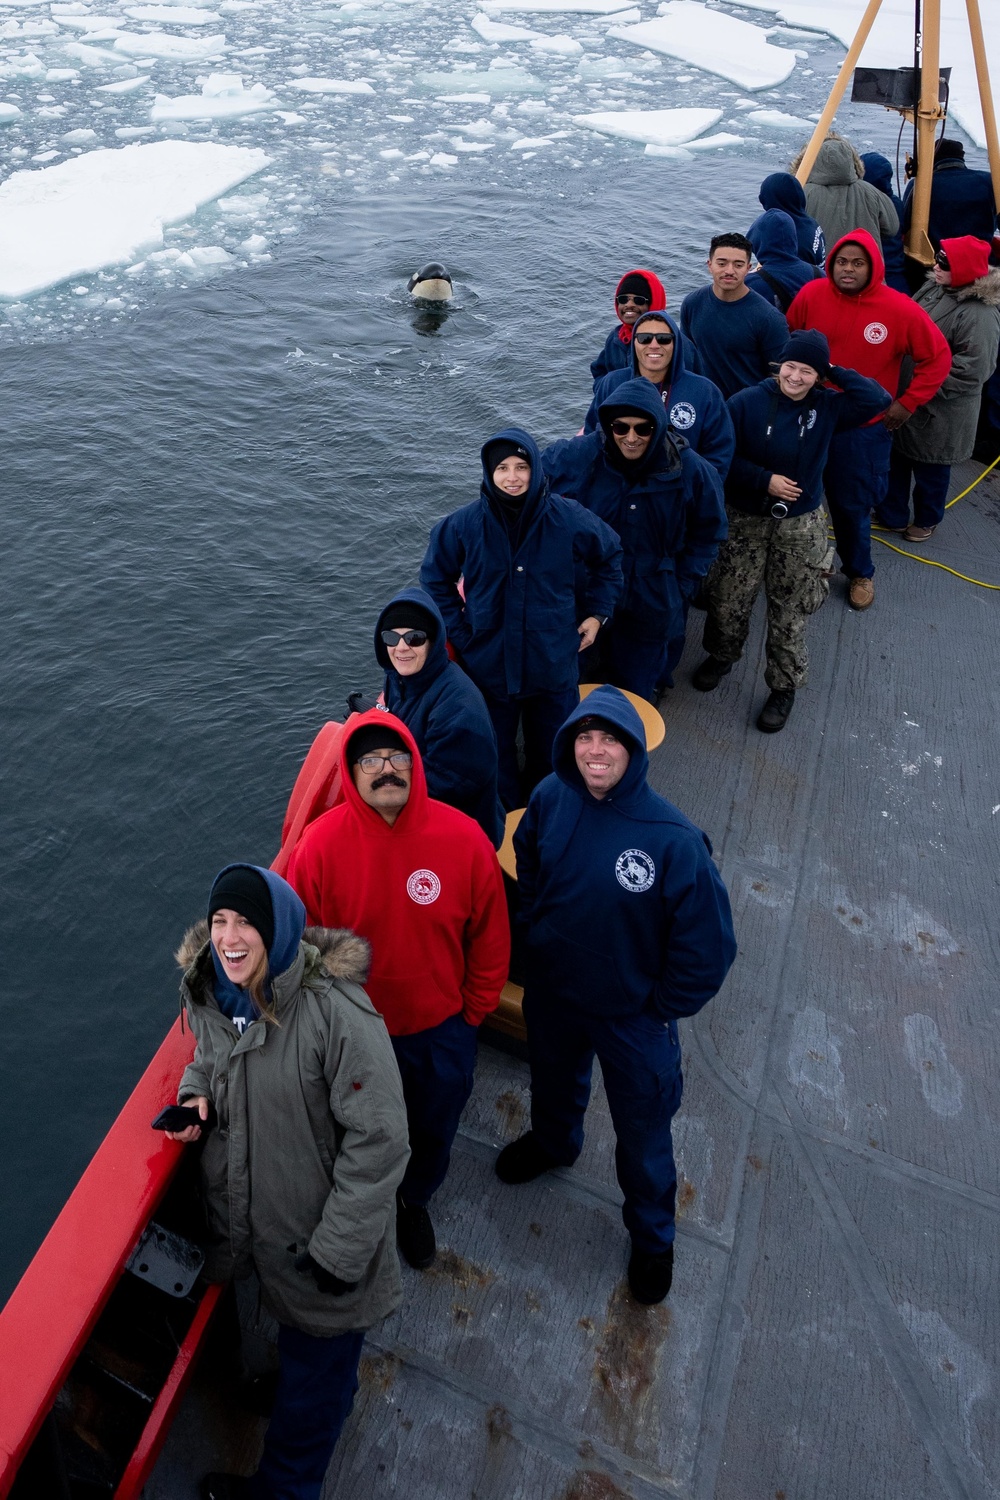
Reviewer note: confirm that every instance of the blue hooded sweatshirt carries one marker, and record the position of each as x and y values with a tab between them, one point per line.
527	585
695	408
784	190
622	907
878	171
444	711
772	235
289	924
961	203
667	507
776	435
735	342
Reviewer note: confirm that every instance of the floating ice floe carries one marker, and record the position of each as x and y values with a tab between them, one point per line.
124	85
173	15
81	137
704	143
778	120
331	85
91	57
477	87
562	45
500	31
652	127
8	112
222	97
173	48
554	7
107	207
714	41
90	22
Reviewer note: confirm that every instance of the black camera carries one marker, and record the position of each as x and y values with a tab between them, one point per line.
778	509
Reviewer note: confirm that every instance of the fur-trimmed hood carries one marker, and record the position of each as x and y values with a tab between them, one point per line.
335	951
985	288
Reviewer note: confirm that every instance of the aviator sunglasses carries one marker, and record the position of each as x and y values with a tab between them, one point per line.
648	338
641	429
397	637
624	300
942	260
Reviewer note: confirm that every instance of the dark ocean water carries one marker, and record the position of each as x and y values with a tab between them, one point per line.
204	511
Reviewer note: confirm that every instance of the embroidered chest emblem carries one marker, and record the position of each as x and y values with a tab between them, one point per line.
683	415
876	333
634	870
423	887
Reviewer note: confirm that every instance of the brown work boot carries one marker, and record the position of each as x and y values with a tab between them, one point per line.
915	533
861	594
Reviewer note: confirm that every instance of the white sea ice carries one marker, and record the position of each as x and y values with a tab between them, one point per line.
61	75
714	41
203	258
561	44
222	97
80	137
91	57
568	7
255	245
442	159
505	80
531	143
173	48
172	15
124	85
654	127
26	66
107	207
778	120
331	85
8	112
89	22
713	142
500	31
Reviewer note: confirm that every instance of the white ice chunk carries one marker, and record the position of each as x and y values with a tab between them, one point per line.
713	142
562	45
779	120
289	117
172	15
714	41
392	154
89	22
28	28
91	57
654	127
331	85
255	245
133	132
531	143
222	97
8	112
245	205
124	85
569	7
107	207
61	75
500	31
203	258
79	137
174	48
442	159
27	66
458	144
505	80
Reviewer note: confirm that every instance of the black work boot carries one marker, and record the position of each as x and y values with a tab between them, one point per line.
711	673
774	714
523	1161
415	1234
649	1276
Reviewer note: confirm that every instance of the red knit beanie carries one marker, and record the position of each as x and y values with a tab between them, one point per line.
968	258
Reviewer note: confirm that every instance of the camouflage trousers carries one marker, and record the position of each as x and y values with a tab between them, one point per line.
788	558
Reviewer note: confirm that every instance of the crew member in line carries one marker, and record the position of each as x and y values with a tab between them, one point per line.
870	328
961	197
310	1145
442	708
628	929
694	406
540	575
784	190
780	274
638	292
878	172
666	504
737	336
962	296
777	526
421	882
838	196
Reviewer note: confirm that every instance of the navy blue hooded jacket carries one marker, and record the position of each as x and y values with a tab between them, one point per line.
694	406
622	907
772	235
525	592
444	711
289	925
735	342
961	203
776	435
667	508
878	171
784	190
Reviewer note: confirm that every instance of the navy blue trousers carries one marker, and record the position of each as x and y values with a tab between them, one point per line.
624	659
930	492
437	1068
539	717
317	1383
640	1059
855	480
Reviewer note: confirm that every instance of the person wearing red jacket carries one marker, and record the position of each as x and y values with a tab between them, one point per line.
421	882
870	328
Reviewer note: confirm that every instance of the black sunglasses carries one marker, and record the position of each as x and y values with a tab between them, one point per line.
649	338
942	260
411	637
628	297
641	429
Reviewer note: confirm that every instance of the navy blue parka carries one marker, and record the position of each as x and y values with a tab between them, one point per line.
445	712
526	589
784	190
695	406
878	171
772	235
622	907
667	508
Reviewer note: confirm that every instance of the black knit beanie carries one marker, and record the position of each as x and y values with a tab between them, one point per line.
494	453
245	890
413	616
373	737
808	347
949	149
634	284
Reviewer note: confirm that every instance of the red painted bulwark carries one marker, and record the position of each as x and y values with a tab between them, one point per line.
60	1296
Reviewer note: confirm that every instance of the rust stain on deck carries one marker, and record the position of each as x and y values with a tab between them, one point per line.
686	1194
379	1371
464	1273
591	1484
624	1372
510	1107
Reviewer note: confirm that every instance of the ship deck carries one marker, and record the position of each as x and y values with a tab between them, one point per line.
832	1332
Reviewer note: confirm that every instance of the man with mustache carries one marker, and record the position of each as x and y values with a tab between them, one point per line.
421	882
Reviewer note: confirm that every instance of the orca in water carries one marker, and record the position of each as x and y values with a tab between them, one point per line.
431	283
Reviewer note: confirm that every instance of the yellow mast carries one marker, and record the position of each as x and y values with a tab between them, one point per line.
985	93
929	112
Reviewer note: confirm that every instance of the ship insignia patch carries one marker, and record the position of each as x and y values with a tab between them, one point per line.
635	871
423	887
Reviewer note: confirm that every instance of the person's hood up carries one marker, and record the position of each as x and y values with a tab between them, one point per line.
371	820
642	397
611	704
783	190
774	240
878	171
539	483
968	257
657	298
837	165
437	656
678	365
289	922
871	248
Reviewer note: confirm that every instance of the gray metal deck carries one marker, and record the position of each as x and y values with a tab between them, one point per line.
833	1329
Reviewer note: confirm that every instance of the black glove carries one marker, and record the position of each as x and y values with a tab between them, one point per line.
359	702
325	1280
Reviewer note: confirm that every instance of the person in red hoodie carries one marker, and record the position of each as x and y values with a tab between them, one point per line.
421	882
870	328
638	292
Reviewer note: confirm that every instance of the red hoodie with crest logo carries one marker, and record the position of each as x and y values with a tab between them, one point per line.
872	331
426	892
